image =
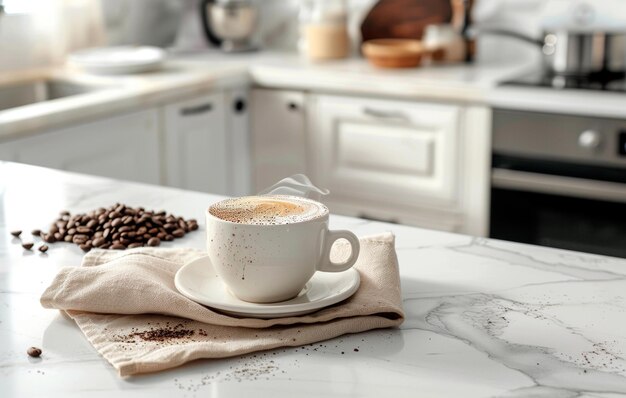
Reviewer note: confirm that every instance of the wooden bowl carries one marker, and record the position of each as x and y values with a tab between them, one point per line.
394	53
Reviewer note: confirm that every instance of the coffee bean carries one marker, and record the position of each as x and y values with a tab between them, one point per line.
79	239
16	233
36	232
34	352
116	227
169	227
27	245
154	242
43	248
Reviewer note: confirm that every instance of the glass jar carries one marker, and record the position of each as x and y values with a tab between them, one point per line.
324	29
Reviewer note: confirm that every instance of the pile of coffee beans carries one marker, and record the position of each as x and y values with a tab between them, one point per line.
118	227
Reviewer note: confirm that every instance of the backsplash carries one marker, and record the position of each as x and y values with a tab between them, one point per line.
44	36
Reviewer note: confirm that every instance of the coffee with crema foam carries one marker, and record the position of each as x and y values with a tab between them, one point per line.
268	210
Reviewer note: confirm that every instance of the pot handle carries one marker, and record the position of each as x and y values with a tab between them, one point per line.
206	24
509	33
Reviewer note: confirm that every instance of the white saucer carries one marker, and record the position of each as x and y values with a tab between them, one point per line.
199	282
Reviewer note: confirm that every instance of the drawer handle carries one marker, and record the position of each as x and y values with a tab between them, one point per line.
196	110
370	218
385	114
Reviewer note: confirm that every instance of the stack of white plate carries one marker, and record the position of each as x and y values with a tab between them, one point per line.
118	60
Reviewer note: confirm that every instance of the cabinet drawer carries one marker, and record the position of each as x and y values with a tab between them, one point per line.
387	151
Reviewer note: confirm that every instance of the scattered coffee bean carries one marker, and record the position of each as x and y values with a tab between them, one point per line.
27	245
154	242
34	352
117	227
16	233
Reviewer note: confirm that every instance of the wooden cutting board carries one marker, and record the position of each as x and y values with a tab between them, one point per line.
405	19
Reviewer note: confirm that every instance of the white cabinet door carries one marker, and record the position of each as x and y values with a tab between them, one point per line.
238	128
124	147
278	133
196	145
386	152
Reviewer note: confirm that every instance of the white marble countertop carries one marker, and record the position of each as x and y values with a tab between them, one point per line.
485	318
186	75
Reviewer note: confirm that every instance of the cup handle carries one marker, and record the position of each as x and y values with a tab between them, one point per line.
326	264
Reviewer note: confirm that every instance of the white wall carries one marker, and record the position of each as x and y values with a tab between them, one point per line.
44	32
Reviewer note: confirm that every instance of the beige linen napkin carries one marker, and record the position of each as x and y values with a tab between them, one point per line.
127	306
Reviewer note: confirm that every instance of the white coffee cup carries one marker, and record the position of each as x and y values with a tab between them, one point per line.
263	262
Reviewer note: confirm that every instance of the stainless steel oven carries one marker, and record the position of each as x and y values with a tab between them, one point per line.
560	181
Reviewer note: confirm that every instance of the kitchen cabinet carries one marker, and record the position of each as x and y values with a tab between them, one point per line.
278	133
397	161
123	147
238	127
207	143
196	144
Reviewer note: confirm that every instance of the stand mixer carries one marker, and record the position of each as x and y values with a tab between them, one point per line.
230	24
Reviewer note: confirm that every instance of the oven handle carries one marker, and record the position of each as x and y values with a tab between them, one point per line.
558	185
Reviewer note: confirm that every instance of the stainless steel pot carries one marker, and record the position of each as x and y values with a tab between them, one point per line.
578	53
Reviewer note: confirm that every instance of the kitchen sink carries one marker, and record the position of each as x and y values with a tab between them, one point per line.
33	91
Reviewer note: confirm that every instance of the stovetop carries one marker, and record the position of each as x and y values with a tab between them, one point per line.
608	81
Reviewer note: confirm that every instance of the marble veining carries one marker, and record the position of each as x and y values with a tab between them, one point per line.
485	318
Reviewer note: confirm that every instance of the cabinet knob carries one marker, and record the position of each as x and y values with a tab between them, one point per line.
239	105
589	139
292	106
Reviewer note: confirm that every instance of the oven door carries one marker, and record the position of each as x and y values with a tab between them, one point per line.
561	205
